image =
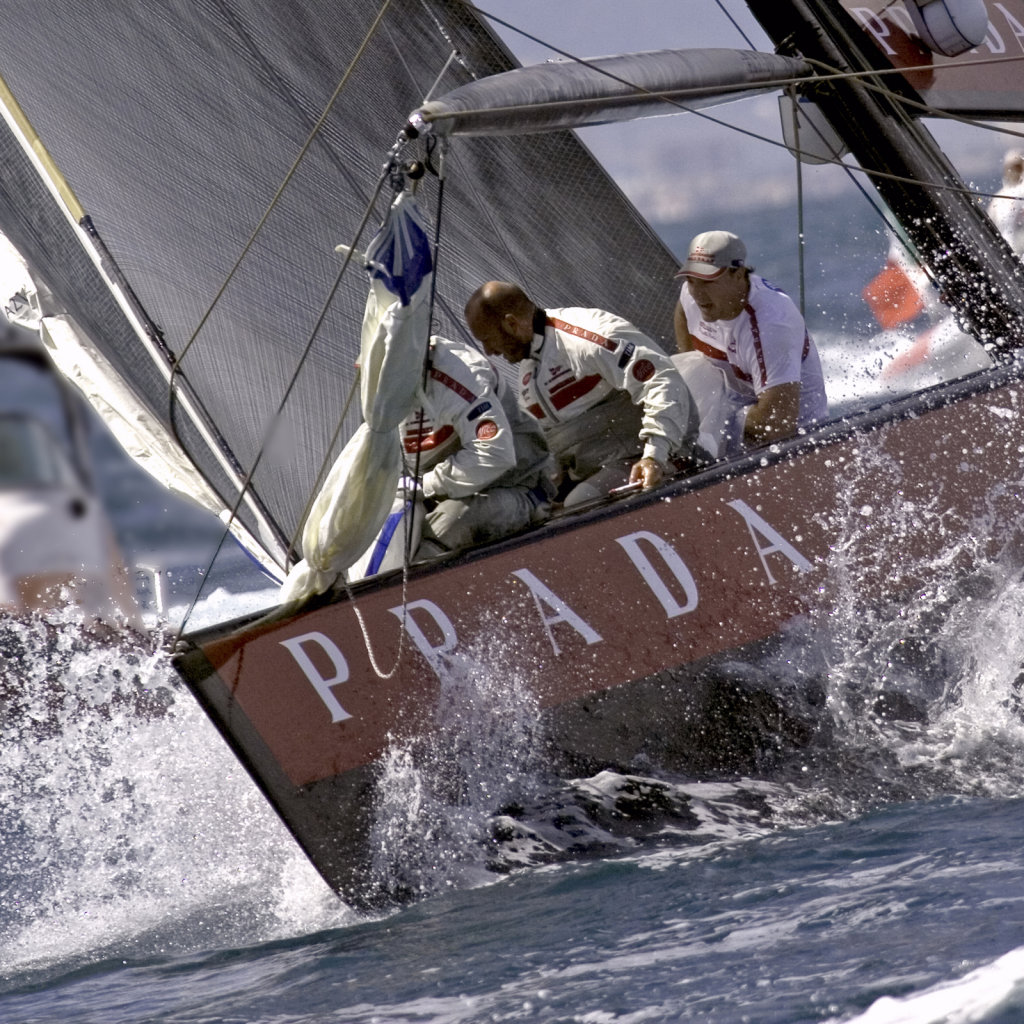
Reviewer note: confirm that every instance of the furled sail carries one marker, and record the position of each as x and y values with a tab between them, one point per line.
570	94
31	306
359	490
214	155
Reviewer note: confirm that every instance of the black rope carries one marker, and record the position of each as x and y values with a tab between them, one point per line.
735	25
417	484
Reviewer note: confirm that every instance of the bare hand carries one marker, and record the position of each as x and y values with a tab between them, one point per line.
648	472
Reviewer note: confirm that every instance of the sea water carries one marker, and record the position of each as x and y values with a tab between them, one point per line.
875	875
144	878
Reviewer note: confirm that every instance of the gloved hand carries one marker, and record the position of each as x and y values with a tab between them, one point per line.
648	472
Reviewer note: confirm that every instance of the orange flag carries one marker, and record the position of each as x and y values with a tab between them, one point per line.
892	296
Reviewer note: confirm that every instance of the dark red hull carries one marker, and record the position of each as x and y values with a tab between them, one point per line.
610	617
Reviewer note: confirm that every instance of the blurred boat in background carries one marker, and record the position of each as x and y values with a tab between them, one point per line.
57	545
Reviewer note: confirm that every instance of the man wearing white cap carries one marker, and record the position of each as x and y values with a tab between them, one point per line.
767	383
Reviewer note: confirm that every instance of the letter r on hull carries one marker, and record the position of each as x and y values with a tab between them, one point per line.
431	651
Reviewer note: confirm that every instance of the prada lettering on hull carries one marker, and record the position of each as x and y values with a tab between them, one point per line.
602	606
602	602
660	566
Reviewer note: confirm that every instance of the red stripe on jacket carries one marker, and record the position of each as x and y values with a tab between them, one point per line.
582	332
567	393
452	384
422	441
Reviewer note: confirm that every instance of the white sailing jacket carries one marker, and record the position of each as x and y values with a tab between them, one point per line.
468	431
765	345
584	355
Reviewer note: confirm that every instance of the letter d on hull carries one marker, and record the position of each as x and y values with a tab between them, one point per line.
671	560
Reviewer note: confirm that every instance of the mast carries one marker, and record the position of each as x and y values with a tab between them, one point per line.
976	270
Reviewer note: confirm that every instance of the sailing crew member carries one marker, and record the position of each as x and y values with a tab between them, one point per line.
1007	209
486	470
767	382
611	405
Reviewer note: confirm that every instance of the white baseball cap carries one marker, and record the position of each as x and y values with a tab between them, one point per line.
713	252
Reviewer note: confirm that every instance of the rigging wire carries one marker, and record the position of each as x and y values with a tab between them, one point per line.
768	140
795	111
425	372
386	173
790	84
867	80
314	132
394	172
409	494
735	24
849	171
176	362
243	490
391	168
832	75
926	109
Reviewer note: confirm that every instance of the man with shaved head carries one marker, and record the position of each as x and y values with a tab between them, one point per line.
612	406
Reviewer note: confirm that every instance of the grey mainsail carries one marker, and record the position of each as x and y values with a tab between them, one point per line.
223	258
217	174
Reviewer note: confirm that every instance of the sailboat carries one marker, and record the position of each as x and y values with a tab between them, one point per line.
58	546
195	187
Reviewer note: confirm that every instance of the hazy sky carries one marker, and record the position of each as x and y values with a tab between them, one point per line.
674	166
588	28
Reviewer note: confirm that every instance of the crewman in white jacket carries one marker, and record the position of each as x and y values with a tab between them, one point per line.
485	468
612	406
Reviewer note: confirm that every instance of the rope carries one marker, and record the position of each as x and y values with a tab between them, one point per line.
426	351
287	393
409	494
315	131
386	174
787	83
832	75
870	80
177	360
799	200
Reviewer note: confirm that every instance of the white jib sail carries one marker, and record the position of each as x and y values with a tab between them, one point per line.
360	488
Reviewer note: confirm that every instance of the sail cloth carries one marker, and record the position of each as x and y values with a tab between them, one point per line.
28	305
359	491
569	94
216	262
